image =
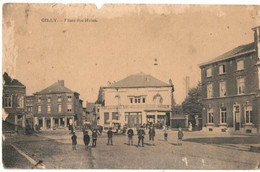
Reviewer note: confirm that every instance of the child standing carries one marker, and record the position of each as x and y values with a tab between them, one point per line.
165	135
180	136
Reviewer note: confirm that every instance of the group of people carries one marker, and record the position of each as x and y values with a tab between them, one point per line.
130	134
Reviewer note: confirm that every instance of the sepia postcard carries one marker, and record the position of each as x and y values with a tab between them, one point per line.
130	86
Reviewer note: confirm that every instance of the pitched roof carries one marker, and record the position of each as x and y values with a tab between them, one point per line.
11	82
139	80
240	50
55	88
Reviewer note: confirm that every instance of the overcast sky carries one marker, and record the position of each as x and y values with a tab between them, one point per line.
125	40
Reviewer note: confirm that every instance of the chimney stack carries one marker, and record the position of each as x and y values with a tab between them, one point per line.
257	39
61	82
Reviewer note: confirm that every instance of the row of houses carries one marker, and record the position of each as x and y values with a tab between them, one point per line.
230	98
53	107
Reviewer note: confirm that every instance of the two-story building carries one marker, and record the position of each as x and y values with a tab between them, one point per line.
57	106
135	100
14	93
230	90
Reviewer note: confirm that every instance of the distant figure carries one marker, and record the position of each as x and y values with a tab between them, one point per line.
86	140
190	126
151	133
101	130
141	134
130	134
109	136
74	141
165	135
180	136
94	138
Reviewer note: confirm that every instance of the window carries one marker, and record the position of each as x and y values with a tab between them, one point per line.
59	98
249	118
240	86
143	100
49	108
7	101
115	116
131	100
106	118
20	101
69	98
222	69
39	99
223	115
210	116
48	99
209	72
39	109
29	109
210	90
59	108
222	89
240	65
69	108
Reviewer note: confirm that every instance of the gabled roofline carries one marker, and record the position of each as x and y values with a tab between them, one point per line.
38	93
138	87
229	57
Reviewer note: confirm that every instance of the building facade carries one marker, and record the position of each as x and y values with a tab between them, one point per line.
135	100
14	94
231	90
57	107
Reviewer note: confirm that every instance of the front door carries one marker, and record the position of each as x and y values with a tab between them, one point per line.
237	117
131	121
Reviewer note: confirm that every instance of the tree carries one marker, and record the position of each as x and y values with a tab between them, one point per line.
192	104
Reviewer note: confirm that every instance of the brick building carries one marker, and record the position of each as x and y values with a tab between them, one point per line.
14	101
57	106
135	100
231	90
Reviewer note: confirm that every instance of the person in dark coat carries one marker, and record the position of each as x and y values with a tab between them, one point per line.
86	140
94	138
141	134
74	141
165	135
130	134
151	133
180	136
109	136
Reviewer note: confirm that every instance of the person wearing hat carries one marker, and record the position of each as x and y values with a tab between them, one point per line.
74	141
180	136
141	134
130	134
86	139
94	138
109	135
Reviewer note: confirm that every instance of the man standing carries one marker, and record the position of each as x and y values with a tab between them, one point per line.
141	134
180	136
151	134
94	138
74	141
130	134
109	135
86	140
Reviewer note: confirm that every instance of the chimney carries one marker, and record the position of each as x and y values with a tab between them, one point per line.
257	39
61	82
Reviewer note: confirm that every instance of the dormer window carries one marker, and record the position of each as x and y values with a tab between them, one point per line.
240	65
209	72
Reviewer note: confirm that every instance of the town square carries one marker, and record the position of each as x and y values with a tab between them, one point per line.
132	87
